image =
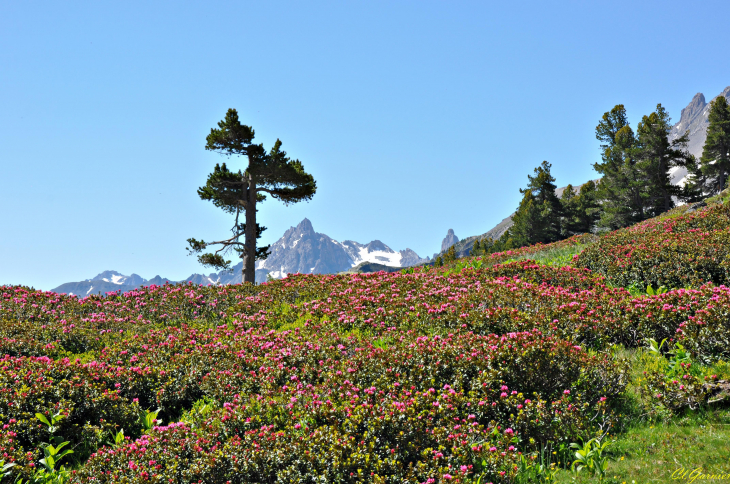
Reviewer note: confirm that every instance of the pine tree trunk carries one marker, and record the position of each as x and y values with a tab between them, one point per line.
249	257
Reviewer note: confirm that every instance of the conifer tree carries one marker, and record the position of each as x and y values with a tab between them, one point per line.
621	189
272	173
568	200
587	211
580	209
715	161
538	216
450	255
656	155
476	248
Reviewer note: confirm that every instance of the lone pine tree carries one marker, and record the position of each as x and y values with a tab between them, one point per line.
271	173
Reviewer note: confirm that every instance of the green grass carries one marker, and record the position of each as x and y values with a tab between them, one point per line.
653	443
653	452
722	197
554	256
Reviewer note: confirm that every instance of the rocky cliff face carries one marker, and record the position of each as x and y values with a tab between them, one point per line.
305	251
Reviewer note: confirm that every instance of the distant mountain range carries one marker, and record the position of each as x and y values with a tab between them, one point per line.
694	118
302	250
299	250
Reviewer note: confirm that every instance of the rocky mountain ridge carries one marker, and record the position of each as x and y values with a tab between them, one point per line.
299	250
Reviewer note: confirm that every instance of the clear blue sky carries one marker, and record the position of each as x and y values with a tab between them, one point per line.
413	117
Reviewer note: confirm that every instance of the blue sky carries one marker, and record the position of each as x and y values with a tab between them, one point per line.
413	117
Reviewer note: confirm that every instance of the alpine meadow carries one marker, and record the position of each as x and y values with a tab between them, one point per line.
583	338
544	363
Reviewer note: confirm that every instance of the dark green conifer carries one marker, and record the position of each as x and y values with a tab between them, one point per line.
656	155
538	216
715	161
450	255
476	249
621	189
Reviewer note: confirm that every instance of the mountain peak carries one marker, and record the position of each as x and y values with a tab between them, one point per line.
693	109
377	245
115	277
305	226
106	275
449	240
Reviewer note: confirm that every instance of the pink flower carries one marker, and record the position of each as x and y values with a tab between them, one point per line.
567	392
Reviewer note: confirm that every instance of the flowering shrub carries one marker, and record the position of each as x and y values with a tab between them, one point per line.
374	385
687	250
89	406
430	375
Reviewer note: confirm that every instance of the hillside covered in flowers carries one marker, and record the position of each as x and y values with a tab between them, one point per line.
464	373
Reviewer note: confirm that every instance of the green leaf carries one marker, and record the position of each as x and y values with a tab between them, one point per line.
42	418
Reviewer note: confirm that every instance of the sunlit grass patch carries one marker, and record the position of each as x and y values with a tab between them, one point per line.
553	256
658	452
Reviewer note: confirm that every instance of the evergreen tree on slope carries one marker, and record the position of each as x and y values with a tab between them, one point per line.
656	156
715	161
621	191
580	210
538	217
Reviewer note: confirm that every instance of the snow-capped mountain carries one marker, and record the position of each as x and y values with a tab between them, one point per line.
114	277
303	250
299	250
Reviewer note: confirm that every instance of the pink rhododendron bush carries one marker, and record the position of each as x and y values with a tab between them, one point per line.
430	375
